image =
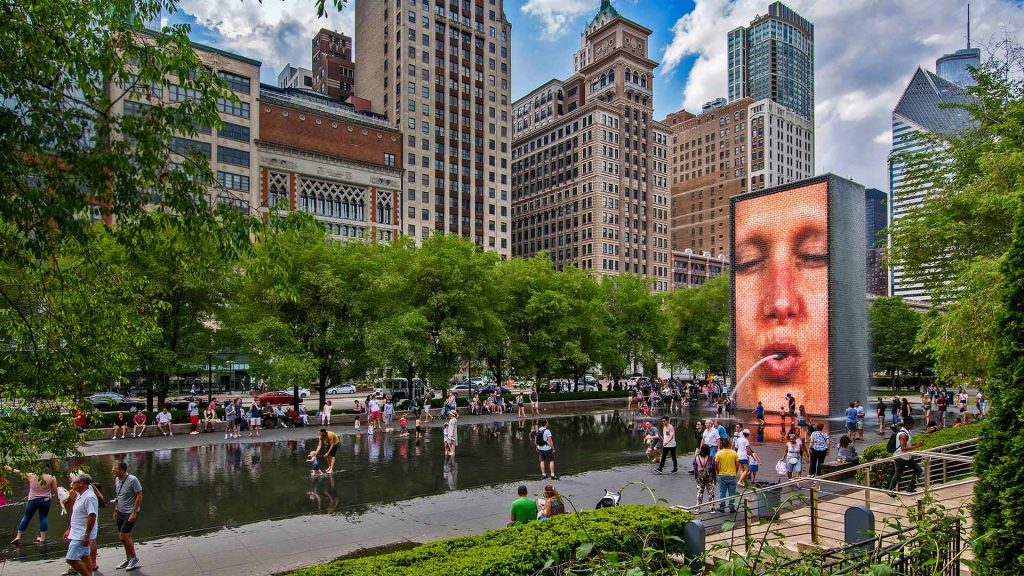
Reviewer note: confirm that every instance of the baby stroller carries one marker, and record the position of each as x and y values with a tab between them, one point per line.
609	500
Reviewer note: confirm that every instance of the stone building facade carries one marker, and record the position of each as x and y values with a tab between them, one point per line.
590	165
320	156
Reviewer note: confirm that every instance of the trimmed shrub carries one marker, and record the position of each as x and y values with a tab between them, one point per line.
881	474
524	549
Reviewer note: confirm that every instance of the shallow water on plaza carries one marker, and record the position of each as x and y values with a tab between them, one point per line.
206	487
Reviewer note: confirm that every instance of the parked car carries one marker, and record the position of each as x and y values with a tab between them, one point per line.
181	402
490	388
276	397
114	402
346	388
462	389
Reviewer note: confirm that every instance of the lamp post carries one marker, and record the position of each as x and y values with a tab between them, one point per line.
231	372
209	368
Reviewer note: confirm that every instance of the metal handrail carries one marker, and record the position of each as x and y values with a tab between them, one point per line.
798	483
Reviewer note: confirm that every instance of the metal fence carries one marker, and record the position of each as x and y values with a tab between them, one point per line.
807	513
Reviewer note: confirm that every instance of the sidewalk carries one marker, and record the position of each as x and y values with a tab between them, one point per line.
338	426
274	546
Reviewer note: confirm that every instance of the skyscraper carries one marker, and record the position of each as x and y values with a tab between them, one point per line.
773	59
441	73
333	69
590	164
875	220
920	109
725	151
955	67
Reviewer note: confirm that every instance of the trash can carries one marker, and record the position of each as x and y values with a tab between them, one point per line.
768	501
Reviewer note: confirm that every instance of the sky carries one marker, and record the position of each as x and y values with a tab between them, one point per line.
865	52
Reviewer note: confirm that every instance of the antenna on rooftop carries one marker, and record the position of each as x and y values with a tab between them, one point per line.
968	25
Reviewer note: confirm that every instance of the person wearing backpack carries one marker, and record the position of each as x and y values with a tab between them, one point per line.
704	470
901	447
545	449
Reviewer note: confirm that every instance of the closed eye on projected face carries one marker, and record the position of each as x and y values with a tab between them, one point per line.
806	249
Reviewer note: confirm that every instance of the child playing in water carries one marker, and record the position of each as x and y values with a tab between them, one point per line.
419	430
314	464
401	425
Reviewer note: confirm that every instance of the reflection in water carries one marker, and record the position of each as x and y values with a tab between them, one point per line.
203	488
206	487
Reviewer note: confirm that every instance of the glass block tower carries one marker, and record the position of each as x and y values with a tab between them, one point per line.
773	59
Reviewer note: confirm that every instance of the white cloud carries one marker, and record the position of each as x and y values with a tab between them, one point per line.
864	55
557	15
277	32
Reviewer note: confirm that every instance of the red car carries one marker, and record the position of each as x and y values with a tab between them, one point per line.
276	397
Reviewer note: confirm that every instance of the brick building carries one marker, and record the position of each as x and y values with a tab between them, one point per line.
319	155
590	165
709	155
333	68
728	149
690	268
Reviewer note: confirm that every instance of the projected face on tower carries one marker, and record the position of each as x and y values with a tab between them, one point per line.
781	298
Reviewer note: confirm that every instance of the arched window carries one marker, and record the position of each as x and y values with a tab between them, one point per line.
611	76
628	74
594	89
636	78
643	81
604	80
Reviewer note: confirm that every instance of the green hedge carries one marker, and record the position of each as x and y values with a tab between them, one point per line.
881	474
523	549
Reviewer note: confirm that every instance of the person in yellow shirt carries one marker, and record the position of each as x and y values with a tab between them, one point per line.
726	463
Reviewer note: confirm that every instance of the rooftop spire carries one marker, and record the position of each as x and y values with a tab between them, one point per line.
968	25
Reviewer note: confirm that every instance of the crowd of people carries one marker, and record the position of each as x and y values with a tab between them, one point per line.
82	501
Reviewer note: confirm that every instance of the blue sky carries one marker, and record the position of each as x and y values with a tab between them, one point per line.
865	52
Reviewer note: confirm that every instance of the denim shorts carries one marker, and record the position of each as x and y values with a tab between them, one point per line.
76	550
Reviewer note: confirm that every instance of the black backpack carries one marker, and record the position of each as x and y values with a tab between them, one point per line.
890	447
539	437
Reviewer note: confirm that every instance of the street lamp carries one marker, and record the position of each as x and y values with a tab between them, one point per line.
209	368
231	372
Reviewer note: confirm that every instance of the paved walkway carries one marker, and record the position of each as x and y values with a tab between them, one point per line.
284	544
287	543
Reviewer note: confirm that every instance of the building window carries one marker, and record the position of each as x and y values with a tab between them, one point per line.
234	132
228	155
240	109
235	82
233	181
184	147
389	159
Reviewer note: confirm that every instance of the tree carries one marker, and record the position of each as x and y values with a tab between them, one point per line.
70	324
952	242
183	274
300	304
894	330
960	340
699	325
516	281
449	279
637	325
999	494
68	317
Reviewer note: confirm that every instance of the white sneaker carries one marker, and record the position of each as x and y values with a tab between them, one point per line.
123	565
191	433
132	564
170	433
225	436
